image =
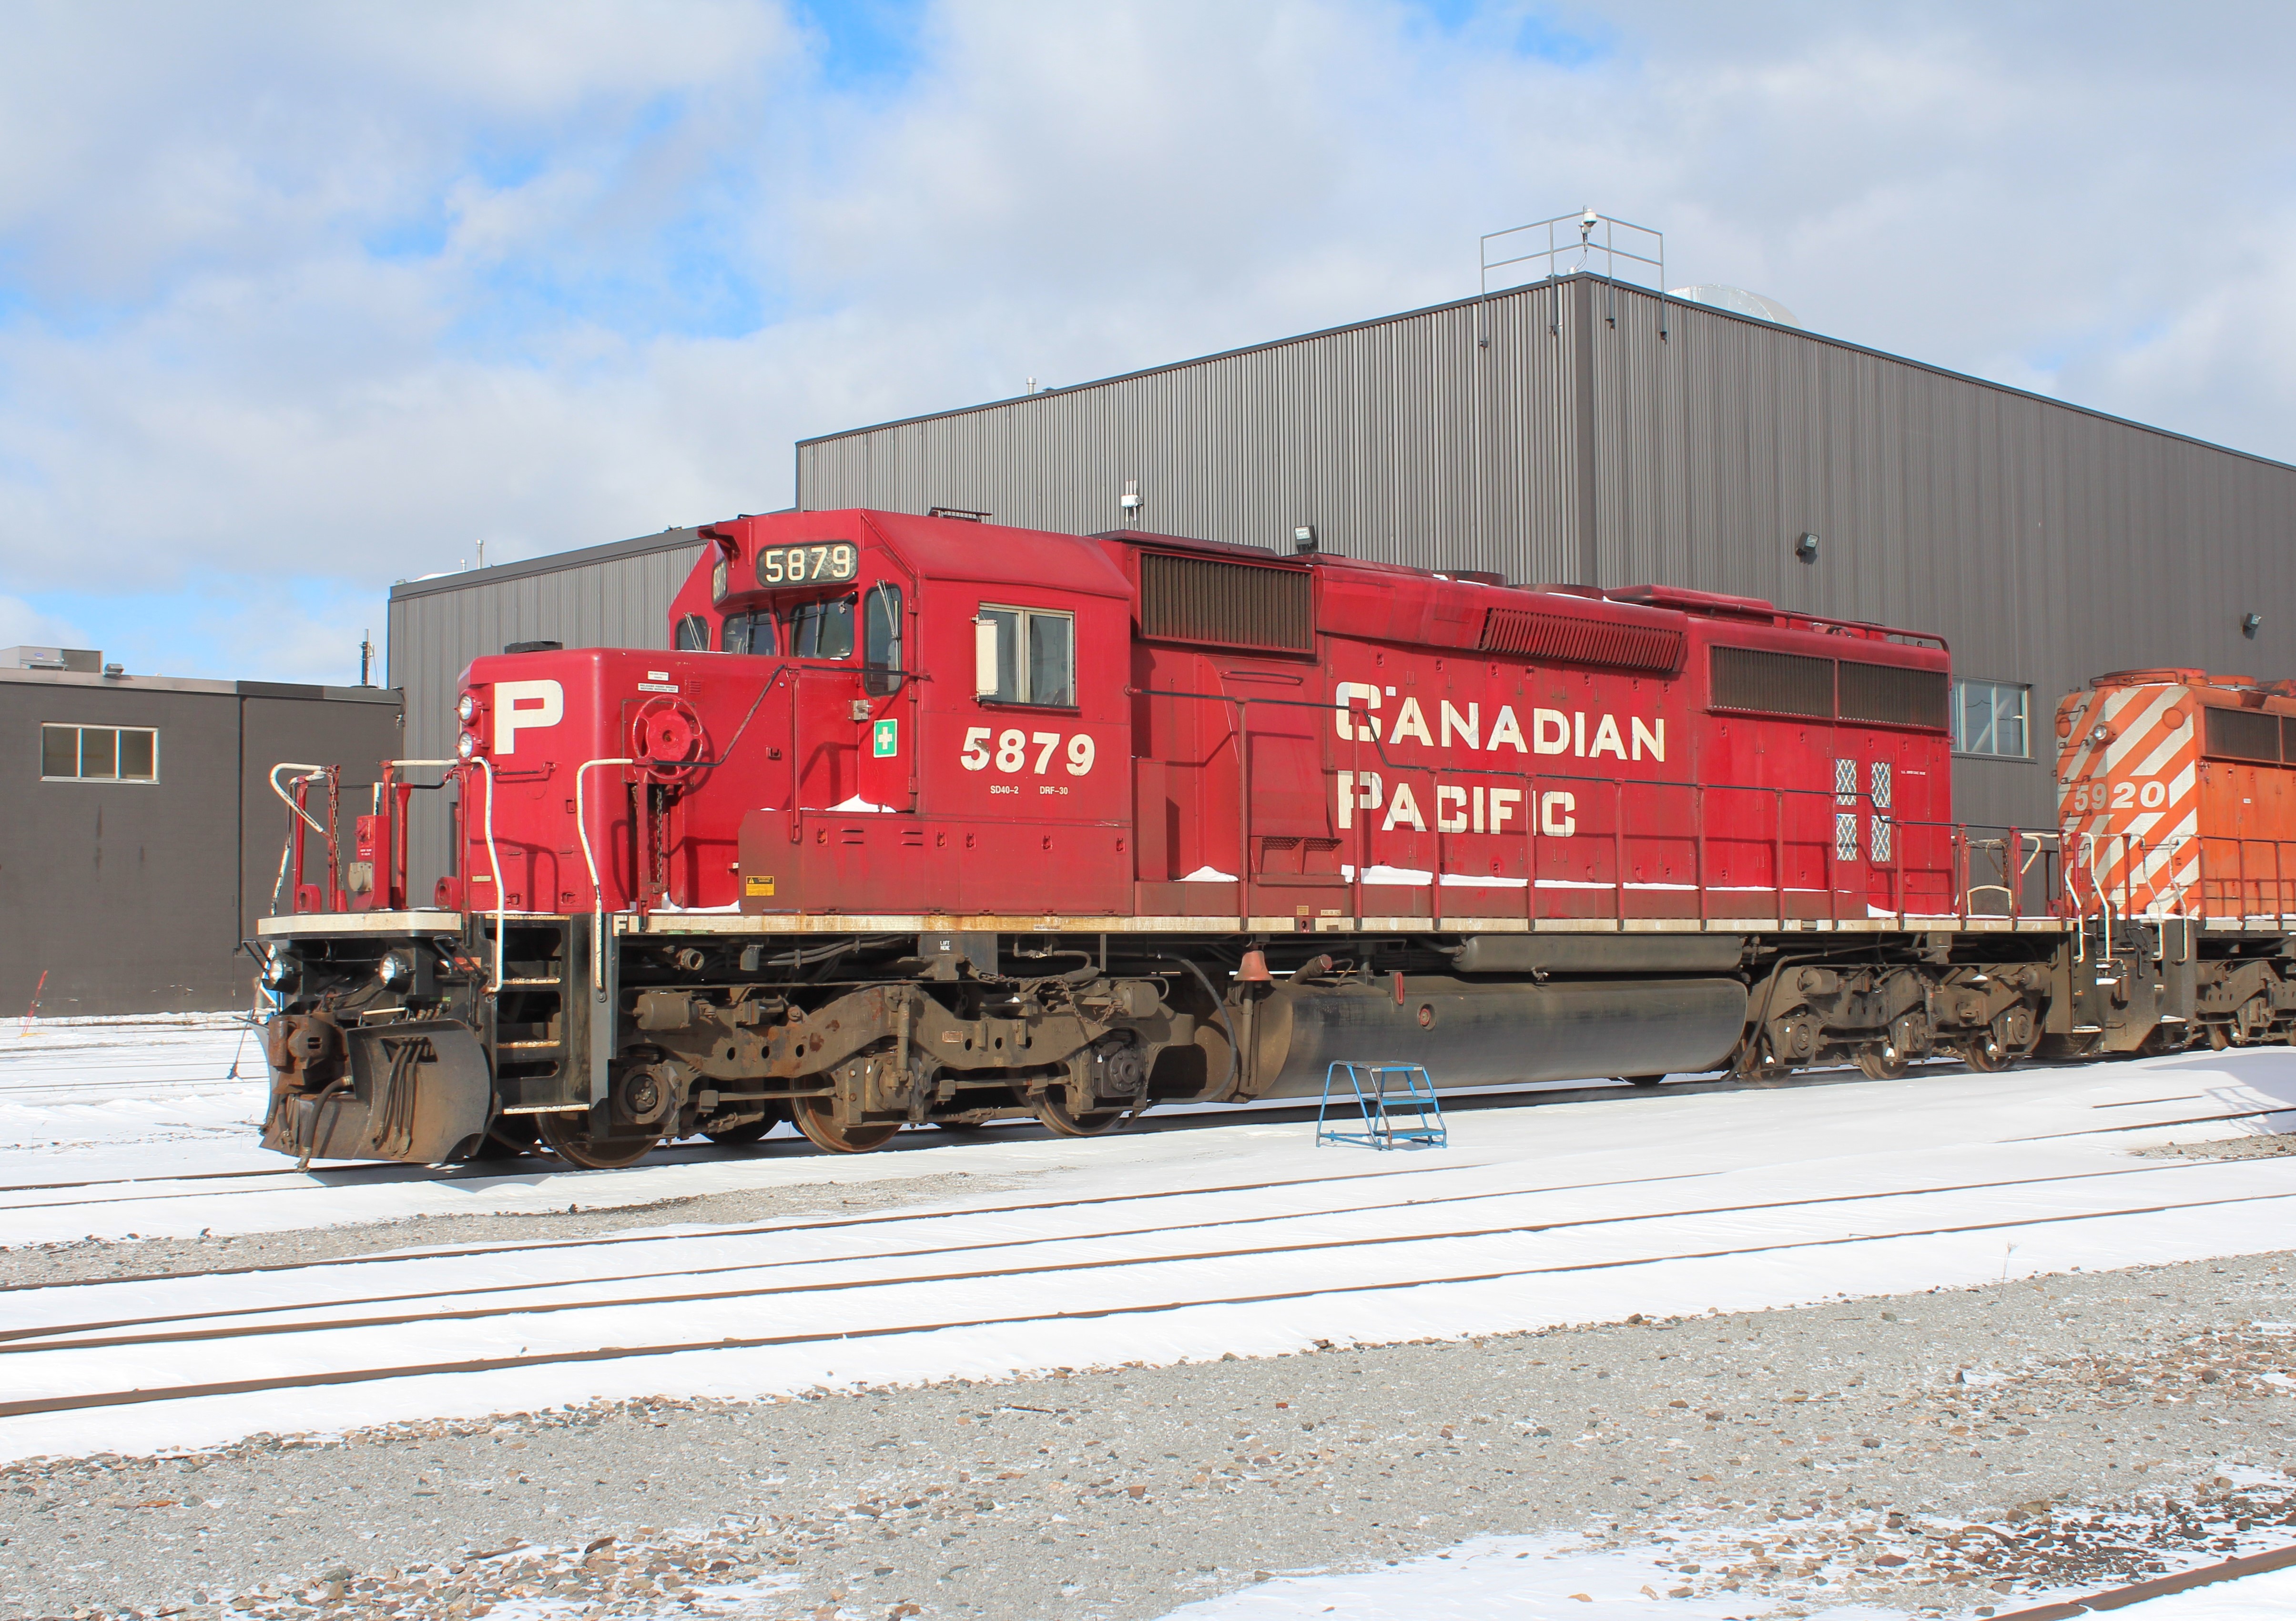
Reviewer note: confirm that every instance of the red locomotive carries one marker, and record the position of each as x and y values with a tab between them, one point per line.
924	820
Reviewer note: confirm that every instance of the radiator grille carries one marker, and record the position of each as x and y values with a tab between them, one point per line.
1561	638
1779	684
1894	695
1199	599
2243	734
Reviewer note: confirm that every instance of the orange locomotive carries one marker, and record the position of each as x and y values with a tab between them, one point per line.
2175	793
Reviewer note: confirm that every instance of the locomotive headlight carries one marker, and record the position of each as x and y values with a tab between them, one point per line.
394	969
466	708
465	746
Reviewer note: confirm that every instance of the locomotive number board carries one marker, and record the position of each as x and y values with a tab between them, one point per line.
821	563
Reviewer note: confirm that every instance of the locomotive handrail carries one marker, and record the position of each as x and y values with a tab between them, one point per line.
1892	871
311	774
287	850
493	862
597	889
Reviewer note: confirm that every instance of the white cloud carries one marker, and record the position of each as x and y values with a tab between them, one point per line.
329	293
23	625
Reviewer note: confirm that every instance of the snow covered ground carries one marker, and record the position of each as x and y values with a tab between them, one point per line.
1526	1579
1244	1238
1241	1237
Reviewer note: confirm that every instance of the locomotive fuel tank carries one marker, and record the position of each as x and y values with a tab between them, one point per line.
1481	1034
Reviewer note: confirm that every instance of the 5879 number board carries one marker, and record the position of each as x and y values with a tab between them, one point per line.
823	561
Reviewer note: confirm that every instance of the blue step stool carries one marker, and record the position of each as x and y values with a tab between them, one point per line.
1382	1093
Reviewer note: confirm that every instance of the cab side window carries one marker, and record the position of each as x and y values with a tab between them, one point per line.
693	635
1035	656
881	638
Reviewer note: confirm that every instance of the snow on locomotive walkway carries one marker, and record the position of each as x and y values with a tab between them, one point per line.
1212	1240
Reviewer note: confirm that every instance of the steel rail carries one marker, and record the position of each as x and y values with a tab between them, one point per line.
2137	1592
125	1398
19	1341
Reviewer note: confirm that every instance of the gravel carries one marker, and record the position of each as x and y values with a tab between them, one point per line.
1947	1451
2267	1145
99	1260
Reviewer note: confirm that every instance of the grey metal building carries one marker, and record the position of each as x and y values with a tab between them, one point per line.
1578	430
139	836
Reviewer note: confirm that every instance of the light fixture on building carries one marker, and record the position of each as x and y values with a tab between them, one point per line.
1806	548
1303	540
1130	500
2249	625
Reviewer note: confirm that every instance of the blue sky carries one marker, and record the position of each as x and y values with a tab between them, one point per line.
296	302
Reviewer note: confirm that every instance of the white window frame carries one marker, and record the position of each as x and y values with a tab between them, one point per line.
1028	700
79	752
1961	741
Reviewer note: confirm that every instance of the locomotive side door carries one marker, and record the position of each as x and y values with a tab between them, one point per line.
1042	732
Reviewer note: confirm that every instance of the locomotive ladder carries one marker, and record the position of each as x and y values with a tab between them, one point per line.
540	1028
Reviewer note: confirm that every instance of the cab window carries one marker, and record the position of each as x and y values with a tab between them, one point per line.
1036	656
822	630
748	633
881	638
693	635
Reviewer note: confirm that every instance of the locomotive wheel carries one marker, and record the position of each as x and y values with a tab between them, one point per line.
816	1117
750	1131
577	1148
1985	1053
1056	1119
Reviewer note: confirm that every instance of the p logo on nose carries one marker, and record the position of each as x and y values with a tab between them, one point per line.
521	704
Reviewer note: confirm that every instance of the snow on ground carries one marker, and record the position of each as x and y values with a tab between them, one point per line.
1539	1579
1184	1244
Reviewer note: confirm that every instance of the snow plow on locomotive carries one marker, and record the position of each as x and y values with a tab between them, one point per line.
926	821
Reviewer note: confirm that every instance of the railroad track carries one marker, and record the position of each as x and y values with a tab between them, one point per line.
1111	1274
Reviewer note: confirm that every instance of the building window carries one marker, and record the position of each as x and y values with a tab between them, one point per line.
1036	656
99	754
1990	718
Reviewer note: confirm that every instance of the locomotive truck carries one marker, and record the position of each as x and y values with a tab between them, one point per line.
925	821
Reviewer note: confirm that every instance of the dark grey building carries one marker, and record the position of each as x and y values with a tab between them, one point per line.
139	836
1574	431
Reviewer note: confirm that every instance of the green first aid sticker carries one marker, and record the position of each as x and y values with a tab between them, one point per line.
886	739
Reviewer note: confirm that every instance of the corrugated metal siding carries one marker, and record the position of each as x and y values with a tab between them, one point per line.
2044	543
1403	440
2047	543
437	626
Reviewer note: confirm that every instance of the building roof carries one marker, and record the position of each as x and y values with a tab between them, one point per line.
189	683
1785	333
